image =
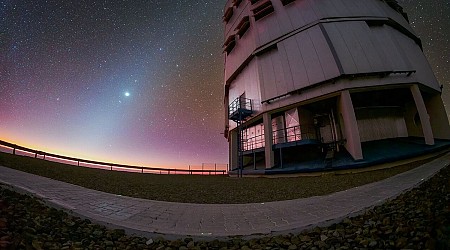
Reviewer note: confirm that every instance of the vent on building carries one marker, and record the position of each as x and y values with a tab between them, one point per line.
228	14
229	44
262	10
243	26
286	2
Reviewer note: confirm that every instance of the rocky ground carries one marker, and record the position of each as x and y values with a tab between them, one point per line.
418	219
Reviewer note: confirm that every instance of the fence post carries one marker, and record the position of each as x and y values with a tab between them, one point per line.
215	168
142	168
35	155
110	167
14	151
202	167
190	172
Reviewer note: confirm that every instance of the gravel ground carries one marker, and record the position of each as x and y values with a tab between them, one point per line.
196	188
418	219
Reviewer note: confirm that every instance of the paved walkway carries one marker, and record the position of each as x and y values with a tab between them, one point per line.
178	220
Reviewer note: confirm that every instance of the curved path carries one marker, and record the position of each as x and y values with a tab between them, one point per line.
177	220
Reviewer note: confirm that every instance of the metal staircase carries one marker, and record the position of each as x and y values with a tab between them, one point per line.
238	111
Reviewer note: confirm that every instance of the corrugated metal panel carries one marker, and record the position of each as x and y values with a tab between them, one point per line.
309	54
284	22
286	67
267	29
326	58
280	77
375	58
347	30
266	70
296	62
341	47
293	11
415	59
385	41
306	9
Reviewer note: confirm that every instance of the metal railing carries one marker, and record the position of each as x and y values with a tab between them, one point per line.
291	134
295	133
239	103
205	169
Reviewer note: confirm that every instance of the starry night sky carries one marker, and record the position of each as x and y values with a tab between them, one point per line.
135	81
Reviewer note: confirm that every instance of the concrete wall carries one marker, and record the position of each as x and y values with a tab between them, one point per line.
412	124
349	125
438	116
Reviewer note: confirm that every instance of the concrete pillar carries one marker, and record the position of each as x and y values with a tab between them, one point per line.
233	155
268	139
438	117
423	114
351	131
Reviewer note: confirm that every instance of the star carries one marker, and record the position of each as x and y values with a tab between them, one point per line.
127	94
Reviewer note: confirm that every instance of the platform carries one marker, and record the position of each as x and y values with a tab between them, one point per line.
374	152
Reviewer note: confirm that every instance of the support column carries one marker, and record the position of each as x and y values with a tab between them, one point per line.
351	131
268	139
438	117
233	155
423	114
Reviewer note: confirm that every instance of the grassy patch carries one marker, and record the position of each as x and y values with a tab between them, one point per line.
196	188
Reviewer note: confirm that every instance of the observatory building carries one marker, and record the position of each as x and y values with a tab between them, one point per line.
314	85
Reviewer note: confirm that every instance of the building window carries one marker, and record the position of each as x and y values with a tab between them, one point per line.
243	26
237	3
286	2
228	14
262	10
229	44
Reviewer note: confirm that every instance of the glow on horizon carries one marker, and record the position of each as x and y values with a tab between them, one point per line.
109	165
81	156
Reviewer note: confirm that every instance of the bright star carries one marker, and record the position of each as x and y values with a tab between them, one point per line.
127	94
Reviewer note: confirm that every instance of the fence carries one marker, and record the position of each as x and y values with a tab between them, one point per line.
210	169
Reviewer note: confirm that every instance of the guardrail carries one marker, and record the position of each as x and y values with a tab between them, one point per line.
205	168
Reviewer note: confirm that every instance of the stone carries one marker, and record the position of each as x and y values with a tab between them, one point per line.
295	240
3	223
292	247
97	233
305	238
190	244
401	242
347	221
149	242
109	243
323	237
